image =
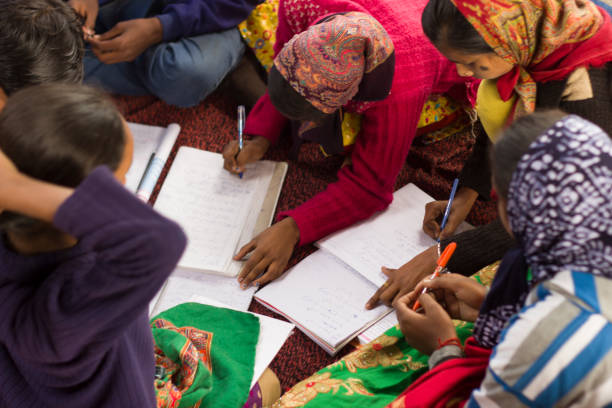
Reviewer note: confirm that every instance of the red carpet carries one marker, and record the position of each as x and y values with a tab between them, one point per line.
213	123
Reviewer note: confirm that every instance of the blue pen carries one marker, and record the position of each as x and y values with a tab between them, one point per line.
448	206
240	129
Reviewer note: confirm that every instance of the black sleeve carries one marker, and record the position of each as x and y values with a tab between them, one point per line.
476	173
478	248
599	108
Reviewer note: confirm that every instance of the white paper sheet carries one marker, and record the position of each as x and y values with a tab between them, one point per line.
185	284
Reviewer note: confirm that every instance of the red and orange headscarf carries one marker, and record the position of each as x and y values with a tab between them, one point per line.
546	40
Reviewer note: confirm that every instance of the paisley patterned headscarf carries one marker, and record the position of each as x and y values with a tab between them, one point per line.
545	39
339	58
560	211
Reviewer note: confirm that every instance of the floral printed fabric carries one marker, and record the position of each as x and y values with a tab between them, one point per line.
259	31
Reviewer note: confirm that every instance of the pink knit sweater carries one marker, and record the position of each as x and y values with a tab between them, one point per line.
388	126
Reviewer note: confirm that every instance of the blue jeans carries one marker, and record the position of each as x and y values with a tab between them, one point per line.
181	73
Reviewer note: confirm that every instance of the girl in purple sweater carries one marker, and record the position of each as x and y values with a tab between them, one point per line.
81	257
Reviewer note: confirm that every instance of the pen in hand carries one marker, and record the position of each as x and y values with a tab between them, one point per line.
448	207
241	116
441	264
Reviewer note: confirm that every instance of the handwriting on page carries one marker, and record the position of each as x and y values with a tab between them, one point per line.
325	296
210	204
390	238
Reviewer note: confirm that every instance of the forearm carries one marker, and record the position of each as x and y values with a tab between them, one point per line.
478	247
33	198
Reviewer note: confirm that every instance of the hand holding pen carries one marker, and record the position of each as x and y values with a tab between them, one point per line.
440	265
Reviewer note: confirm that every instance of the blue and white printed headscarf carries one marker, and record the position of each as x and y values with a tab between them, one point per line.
560	211
560	200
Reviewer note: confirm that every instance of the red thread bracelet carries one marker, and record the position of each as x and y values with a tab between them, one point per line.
453	341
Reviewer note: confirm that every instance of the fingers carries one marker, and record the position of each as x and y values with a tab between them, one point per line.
433	211
248	247
430	306
451	225
274	271
110	34
229	157
385	293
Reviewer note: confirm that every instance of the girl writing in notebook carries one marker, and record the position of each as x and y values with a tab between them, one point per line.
334	59
81	257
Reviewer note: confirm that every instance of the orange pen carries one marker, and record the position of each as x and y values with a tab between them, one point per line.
442	261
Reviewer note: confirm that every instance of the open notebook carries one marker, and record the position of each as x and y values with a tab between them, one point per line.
325	294
218	211
390	238
325	299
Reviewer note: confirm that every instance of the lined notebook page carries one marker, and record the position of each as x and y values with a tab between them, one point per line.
324	296
210	204
390	238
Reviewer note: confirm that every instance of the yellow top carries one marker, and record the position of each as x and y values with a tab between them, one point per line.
492	110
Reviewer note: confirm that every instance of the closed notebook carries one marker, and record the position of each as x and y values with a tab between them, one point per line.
219	211
147	141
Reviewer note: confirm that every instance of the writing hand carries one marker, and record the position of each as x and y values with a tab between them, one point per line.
126	40
403	280
461	295
460	208
252	151
270	252
427	330
88	10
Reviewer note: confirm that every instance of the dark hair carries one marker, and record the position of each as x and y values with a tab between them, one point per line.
59	133
40	41
445	26
289	102
514	142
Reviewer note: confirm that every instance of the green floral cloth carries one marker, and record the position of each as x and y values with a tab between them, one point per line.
204	356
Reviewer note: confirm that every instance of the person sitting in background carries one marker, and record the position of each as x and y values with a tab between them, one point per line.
40	41
179	51
546	317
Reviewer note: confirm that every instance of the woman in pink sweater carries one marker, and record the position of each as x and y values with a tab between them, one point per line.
335	56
